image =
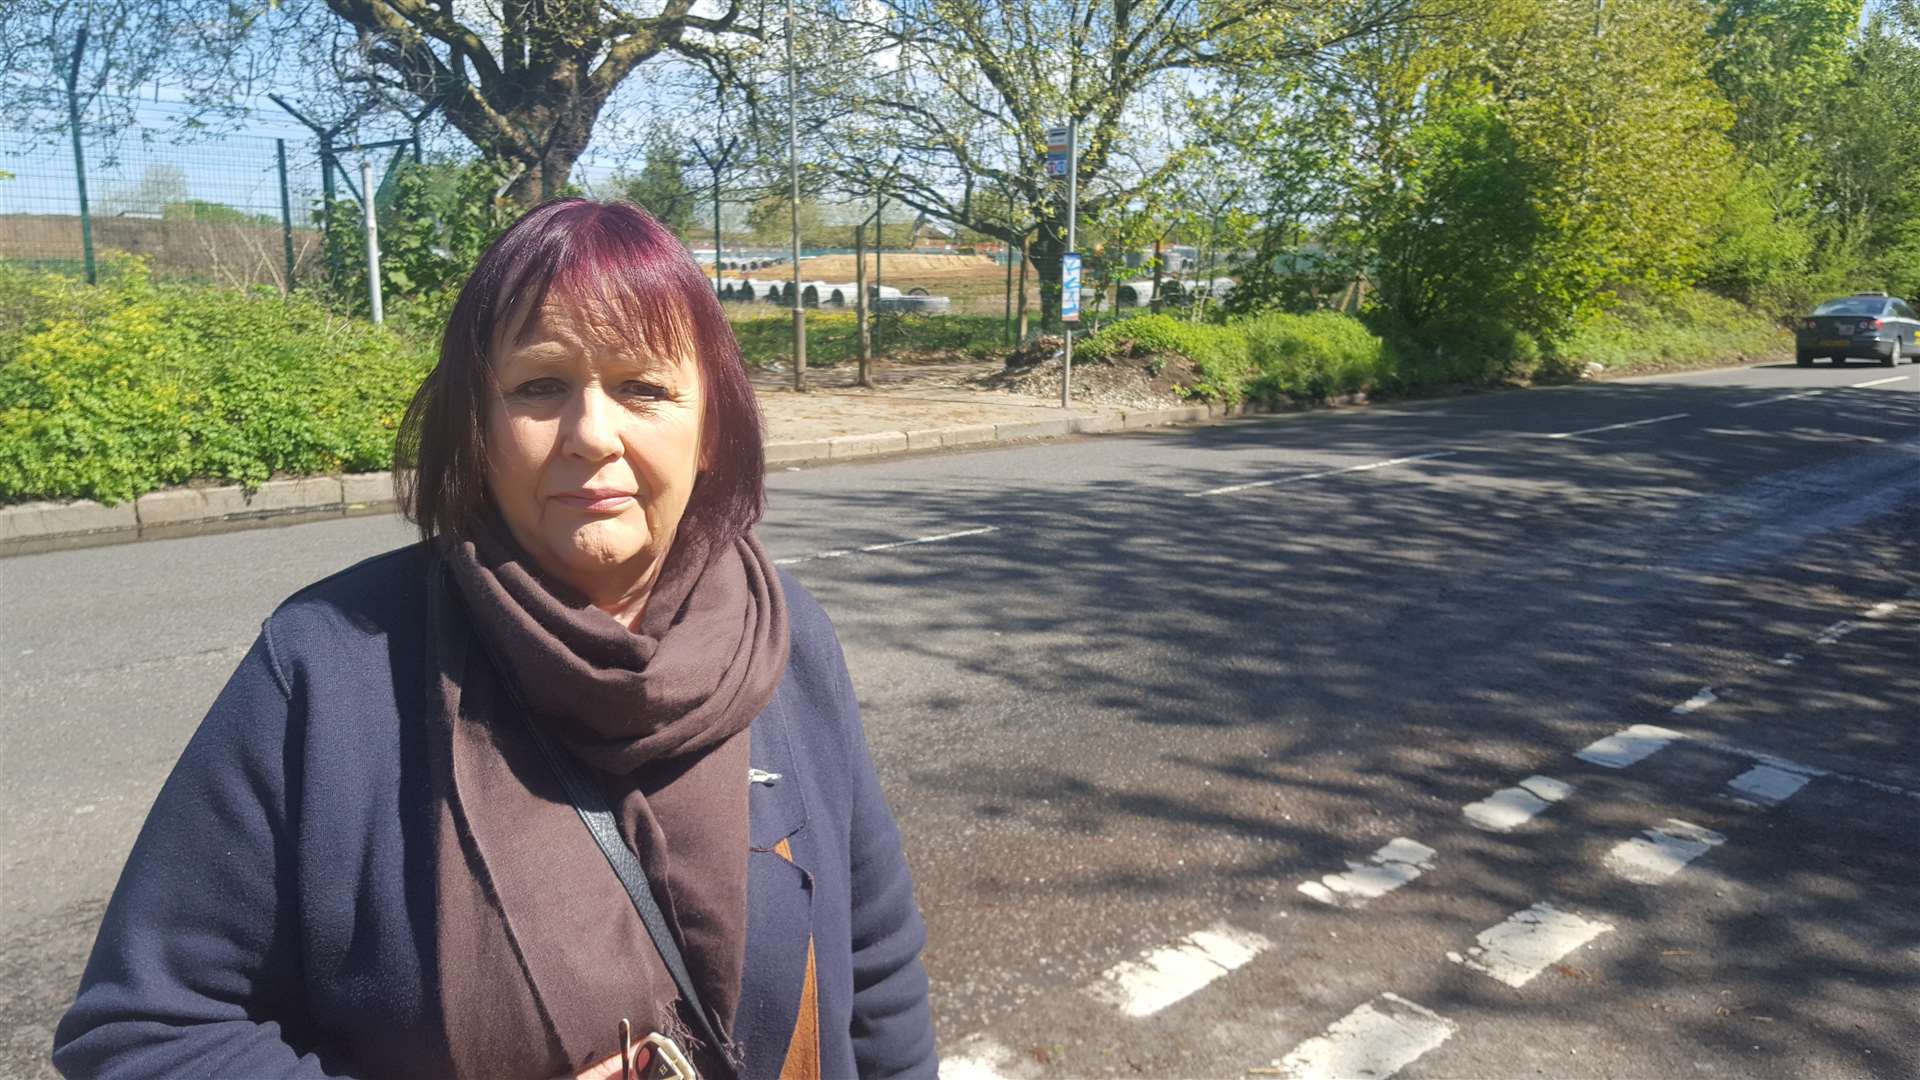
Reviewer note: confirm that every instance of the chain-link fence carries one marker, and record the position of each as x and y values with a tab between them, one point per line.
238	211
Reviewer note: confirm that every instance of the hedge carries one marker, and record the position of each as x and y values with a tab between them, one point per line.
112	391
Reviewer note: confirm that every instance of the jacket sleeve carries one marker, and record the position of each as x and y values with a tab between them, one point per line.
197	967
892	1018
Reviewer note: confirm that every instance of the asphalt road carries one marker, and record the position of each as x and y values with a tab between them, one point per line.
1562	733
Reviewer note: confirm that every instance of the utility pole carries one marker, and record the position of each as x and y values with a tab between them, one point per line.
793	177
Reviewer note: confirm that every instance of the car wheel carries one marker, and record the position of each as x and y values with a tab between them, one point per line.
1803	361
1893	356
1839	361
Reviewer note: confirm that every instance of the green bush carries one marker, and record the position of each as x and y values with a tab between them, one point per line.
1266	357
1316	356
1689	329
112	391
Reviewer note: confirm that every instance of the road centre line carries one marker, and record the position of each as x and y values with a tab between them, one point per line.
1764	757
1399	862
1617	427
1879	382
1528	943
844	552
1510	808
1298	477
1164	976
1661	852
1376	1040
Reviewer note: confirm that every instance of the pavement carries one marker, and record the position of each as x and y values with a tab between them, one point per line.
1562	732
906	408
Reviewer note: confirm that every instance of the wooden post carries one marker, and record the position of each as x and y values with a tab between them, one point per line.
860	301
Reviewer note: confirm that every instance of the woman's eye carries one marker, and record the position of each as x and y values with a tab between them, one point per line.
538	390
644	391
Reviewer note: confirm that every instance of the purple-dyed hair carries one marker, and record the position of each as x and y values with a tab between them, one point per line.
613	255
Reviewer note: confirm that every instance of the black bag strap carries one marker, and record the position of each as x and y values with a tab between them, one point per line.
592	804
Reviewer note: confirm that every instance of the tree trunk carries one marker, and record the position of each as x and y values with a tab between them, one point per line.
1020	330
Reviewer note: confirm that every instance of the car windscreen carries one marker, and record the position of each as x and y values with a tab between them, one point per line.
1853	305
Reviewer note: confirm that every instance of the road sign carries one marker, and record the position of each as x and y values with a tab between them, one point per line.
1070	287
1057	139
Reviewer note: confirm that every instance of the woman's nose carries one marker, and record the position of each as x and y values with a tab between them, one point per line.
592	427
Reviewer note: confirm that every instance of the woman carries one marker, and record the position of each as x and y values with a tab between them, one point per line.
368	861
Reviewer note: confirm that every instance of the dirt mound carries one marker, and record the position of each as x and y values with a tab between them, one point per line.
1141	382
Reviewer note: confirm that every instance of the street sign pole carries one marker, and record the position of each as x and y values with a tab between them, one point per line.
1070	291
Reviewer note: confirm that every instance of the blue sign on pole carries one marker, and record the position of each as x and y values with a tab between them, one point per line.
1070	287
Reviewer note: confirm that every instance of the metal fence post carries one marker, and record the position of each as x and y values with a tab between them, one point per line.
373	241
79	157
286	211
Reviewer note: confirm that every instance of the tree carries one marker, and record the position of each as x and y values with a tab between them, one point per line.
523	81
661	186
209	53
526	81
956	96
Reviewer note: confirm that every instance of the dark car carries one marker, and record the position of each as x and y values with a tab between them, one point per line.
1871	326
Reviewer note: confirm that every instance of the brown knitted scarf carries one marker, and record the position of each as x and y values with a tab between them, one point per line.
540	953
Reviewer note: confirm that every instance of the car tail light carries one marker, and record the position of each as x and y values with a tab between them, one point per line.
1808	325
1872	324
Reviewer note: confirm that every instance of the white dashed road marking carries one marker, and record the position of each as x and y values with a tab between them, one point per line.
1782	397
1623	748
1298	477
1837	631
1699	701
1617	427
1510	808
1768	785
1528	942
1163	976
1659	853
844	552
1883	609
1399	862
1375	1041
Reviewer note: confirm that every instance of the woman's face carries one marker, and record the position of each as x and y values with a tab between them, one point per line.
593	443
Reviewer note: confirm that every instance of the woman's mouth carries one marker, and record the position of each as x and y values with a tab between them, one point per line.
596	501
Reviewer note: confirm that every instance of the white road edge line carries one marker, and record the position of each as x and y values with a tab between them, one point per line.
1617	427
1528	943
1661	852
1764	757
1768	785
1164	976
1879	382
842	553
1624	747
1376	1040
1399	862
1510	808
1298	477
